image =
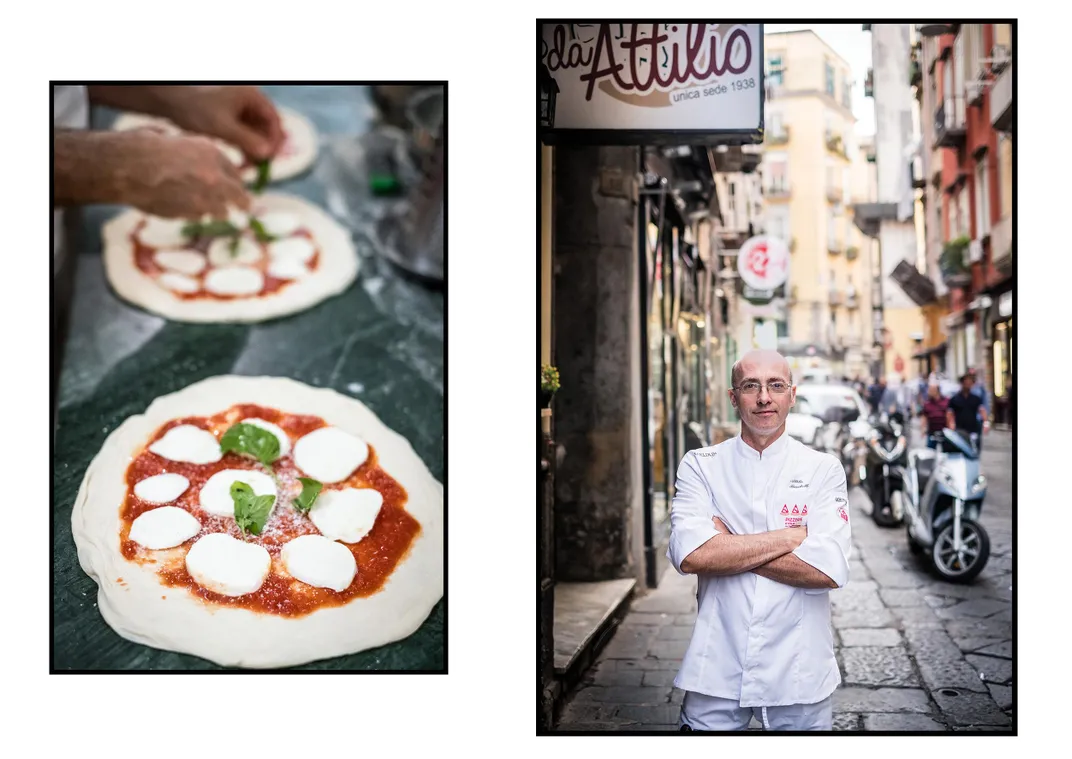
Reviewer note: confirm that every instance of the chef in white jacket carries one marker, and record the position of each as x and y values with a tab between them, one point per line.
763	523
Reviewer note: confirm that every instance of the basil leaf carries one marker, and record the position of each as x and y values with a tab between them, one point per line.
263	174
218	228
310	490
260	231
252	441
251	511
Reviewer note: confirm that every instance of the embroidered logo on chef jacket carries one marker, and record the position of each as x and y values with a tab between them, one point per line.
796	517
797	484
842	513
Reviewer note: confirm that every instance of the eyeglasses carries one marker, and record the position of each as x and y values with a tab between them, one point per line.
752	388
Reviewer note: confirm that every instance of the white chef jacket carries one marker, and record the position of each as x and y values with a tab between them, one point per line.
70	110
758	641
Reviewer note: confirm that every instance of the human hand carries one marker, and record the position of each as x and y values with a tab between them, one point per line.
241	116
178	177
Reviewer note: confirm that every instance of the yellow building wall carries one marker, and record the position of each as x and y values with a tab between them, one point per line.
902	323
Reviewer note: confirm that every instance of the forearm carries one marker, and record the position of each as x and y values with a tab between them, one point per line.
87	167
727	554
157	100
792	570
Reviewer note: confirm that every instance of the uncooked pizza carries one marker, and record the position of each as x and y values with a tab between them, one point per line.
284	256
258	522
297	153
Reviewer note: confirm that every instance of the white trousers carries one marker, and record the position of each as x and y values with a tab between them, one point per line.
701	712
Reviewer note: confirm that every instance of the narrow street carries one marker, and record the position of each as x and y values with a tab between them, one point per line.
915	653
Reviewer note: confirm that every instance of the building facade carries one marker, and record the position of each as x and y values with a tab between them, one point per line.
964	86
807	186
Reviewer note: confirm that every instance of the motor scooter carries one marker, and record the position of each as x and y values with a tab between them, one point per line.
882	473
943	497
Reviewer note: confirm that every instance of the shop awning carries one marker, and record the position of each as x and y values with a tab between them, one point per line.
940	348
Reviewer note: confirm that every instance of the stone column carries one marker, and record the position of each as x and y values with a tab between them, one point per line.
598	486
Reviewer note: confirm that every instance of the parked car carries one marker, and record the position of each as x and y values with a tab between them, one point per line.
830	402
803	423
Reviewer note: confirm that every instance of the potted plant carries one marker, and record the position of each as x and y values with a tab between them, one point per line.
549	384
951	262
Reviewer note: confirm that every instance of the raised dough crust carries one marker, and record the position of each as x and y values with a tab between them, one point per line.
233	637
336	271
301	130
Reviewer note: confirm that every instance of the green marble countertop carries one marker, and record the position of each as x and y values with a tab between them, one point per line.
380	342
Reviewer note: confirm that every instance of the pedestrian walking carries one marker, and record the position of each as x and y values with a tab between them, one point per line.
762	521
979	389
933	415
965	411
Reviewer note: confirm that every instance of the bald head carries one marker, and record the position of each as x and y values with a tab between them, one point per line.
761	365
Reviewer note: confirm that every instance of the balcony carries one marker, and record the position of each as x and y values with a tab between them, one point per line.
949	127
780	137
791	299
833	247
852	253
915	71
869	84
834	194
776	191
834	297
954	269
851	299
1001	101
1001	245
835	145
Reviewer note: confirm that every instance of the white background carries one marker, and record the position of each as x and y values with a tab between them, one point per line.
486	705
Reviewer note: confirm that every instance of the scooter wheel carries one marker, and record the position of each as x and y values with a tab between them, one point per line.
969	562
883	515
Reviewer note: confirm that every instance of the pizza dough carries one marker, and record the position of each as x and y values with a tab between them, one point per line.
139	607
314	259
298	153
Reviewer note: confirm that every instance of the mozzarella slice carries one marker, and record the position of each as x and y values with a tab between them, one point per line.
188	443
165	527
319	562
285	268
292	249
228	566
330	454
247	252
347	515
215	495
284	441
161	488
234	280
159	232
178	283
280	223
181	261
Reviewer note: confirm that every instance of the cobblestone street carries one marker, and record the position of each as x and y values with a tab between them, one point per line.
915	653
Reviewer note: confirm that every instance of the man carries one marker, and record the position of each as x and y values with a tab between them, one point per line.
933	416
979	389
762	521
965	410
874	395
174	177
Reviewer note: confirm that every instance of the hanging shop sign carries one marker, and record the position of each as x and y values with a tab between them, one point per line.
649	84
763	263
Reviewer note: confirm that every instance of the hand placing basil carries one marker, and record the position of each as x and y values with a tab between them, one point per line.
251	511
252	441
310	490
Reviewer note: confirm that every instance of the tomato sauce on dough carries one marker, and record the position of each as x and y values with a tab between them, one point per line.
377	554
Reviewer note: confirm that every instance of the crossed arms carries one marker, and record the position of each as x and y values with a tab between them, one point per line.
813	557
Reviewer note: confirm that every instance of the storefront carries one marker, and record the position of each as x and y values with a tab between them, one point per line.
1000	359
